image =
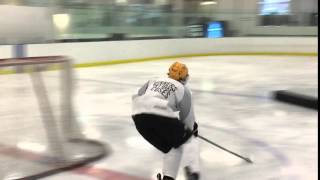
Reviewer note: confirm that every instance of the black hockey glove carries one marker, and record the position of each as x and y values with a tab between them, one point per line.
195	129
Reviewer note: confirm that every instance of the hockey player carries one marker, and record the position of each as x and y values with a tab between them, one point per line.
163	115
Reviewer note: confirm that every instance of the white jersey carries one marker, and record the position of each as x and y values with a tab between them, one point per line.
165	97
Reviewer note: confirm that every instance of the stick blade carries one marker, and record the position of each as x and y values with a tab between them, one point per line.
249	160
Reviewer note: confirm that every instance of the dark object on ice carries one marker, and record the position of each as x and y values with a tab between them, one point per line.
300	99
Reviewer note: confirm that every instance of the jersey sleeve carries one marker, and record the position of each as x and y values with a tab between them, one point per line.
143	89
185	106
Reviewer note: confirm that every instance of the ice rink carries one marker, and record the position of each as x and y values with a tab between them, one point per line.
233	107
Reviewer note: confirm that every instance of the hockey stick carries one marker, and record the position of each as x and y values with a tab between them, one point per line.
210	142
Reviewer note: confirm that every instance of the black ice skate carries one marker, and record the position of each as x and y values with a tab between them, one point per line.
191	175
164	177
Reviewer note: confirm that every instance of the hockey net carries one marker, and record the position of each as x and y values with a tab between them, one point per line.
39	134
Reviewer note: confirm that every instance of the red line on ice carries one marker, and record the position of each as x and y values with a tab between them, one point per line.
99	173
